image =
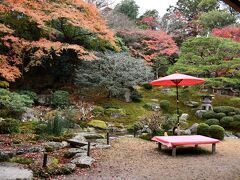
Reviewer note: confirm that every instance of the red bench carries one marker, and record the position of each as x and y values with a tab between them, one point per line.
174	141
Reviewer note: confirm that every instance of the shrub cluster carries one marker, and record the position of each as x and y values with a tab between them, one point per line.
9	126
164	105
60	98
147	86
214	131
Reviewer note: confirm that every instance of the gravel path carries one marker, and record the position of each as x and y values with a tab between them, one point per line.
133	158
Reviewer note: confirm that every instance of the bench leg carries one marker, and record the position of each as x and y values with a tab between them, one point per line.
213	148
159	146
174	149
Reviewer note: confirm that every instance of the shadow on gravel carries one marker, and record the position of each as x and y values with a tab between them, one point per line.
187	151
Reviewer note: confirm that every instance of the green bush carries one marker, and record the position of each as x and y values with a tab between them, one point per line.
136	96
40	128
216	131
4	84
212	122
235	101
56	125
22	160
203	129
98	110
33	96
147	86
223	109
209	115
9	126
60	98
231	113
235	125
220	115
236	118
225	121
164	105
237	110
13	101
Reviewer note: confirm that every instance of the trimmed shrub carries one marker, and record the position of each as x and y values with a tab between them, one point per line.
164	105
40	128
212	122
9	126
220	115
13	101
203	129
235	101
98	110
209	115
223	109
4	84
147	86
237	110
225	121
236	118
216	131
136	96
60	98
231	114
33	96
235	125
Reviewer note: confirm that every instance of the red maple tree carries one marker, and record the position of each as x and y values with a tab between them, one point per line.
228	32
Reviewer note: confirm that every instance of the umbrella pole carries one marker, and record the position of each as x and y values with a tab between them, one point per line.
178	115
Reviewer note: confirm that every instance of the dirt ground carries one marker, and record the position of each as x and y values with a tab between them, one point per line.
133	158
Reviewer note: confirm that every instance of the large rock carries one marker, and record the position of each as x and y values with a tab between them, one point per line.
6	155
193	128
69	167
199	113
83	161
98	124
237	135
73	151
14	171
184	117
91	135
30	114
55	145
115	113
192	104
78	140
152	106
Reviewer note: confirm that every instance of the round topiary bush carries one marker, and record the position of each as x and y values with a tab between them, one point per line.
224	109
220	115
235	125
209	115
136	96
147	86
203	129
217	132
236	118
225	121
60	98
98	110
9	126
212	122
164	105
231	113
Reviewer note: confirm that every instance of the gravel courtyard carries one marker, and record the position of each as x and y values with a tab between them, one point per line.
133	158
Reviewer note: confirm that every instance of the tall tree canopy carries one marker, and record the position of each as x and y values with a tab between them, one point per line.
33	32
228	32
190	18
149	20
210	57
149	44
129	8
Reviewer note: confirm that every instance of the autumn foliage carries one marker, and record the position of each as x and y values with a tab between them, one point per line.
33	30
228	32
149	44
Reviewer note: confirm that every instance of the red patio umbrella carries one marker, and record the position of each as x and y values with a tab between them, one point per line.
176	80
